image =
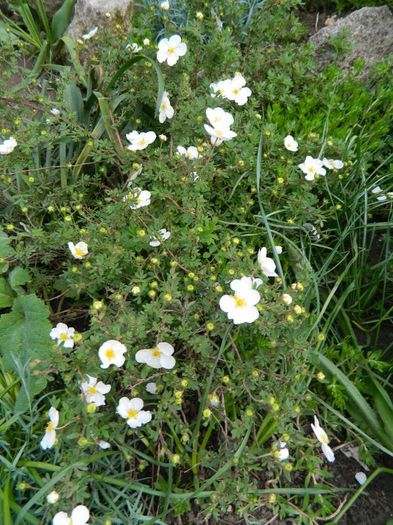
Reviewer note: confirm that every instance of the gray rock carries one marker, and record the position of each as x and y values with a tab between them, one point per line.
369	33
92	13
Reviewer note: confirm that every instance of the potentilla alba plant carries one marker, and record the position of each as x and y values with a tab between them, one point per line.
219	130
191	153
323	439
170	50
240	307
79	516
131	410
49	438
140	198
290	143
312	167
112	353
166	110
233	89
163	235
7	146
267	265
64	335
140	139
333	164
94	391
79	250
159	356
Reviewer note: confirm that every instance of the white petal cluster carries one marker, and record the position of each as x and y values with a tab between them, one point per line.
53	497
333	164
240	307
140	140
151	388
171	49
233	89
94	391
112	353
140	198
133	47
166	110
267	265
79	250
381	197
90	34
158	357
312	167
63	334
189	153
290	143
163	236
220	126
79	516
131	410
7	146
283	452
50	432
323	439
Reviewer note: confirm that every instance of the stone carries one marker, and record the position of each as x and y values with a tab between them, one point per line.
369	33
94	13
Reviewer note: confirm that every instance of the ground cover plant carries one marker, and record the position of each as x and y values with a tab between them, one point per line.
196	268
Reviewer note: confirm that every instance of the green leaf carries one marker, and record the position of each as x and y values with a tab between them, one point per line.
73	99
61	19
18	277
24	340
70	45
6	294
5	245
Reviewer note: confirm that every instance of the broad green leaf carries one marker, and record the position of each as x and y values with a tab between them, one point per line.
18	277
6	294
70	45
73	99
61	19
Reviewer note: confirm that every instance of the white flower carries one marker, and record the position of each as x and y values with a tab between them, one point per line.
332	164
94	392
8	146
166	110
140	140
235	90
361	478
50	433
164	235
290	143
240	307
79	516
171	49
52	497
286	298
158	357
151	388
131	409
134	47
382	198
63	334
104	444
377	189
312	167
283	453
278	250
78	250
190	153
90	34
268	266
323	439
219	118
56	112
111	353
141	198
165	6
163	137
219	135
146	41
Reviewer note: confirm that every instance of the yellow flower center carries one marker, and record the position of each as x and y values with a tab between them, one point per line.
110	353
155	352
311	169
50	426
163	106
219	133
171	50
324	439
63	337
79	252
236	91
142	142
239	302
92	390
132	413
